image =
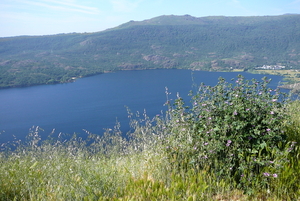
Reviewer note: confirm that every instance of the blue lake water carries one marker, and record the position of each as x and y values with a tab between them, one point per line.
95	103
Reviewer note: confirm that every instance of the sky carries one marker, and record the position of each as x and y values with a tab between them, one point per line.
47	17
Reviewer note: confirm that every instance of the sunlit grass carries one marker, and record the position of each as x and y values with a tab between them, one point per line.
164	158
291	75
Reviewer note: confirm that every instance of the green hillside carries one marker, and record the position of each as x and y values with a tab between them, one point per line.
206	43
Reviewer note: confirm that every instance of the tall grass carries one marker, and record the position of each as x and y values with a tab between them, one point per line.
233	142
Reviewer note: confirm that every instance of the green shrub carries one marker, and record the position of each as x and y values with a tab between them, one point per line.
234	129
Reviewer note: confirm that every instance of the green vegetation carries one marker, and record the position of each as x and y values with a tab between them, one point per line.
206	43
235	141
291	77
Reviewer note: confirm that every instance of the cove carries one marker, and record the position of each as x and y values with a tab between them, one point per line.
96	103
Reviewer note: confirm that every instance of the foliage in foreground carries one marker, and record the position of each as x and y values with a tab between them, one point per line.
234	129
235	141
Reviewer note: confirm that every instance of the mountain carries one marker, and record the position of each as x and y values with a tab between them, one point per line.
205	43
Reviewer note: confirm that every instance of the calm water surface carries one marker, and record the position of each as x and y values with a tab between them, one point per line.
95	103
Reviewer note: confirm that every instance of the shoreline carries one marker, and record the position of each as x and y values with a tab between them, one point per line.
291	78
292	82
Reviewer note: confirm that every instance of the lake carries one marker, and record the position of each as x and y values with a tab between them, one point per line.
96	103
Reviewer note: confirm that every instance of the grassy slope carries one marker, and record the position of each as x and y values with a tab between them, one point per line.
114	168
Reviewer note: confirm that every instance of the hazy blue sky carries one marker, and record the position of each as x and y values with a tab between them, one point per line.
43	17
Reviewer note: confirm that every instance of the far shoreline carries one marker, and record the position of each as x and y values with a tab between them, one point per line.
292	83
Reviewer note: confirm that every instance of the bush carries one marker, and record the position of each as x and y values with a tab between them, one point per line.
233	129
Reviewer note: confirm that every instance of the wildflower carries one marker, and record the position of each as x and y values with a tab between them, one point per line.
275	175
268	130
228	143
247	109
183	129
206	143
235	112
203	104
266	174
291	146
271	112
271	161
274	100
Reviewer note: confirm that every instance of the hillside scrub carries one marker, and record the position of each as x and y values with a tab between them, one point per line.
182	42
238	140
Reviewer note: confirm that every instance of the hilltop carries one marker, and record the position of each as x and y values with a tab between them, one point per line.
206	43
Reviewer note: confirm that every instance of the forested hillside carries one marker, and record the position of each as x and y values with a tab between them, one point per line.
207	43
